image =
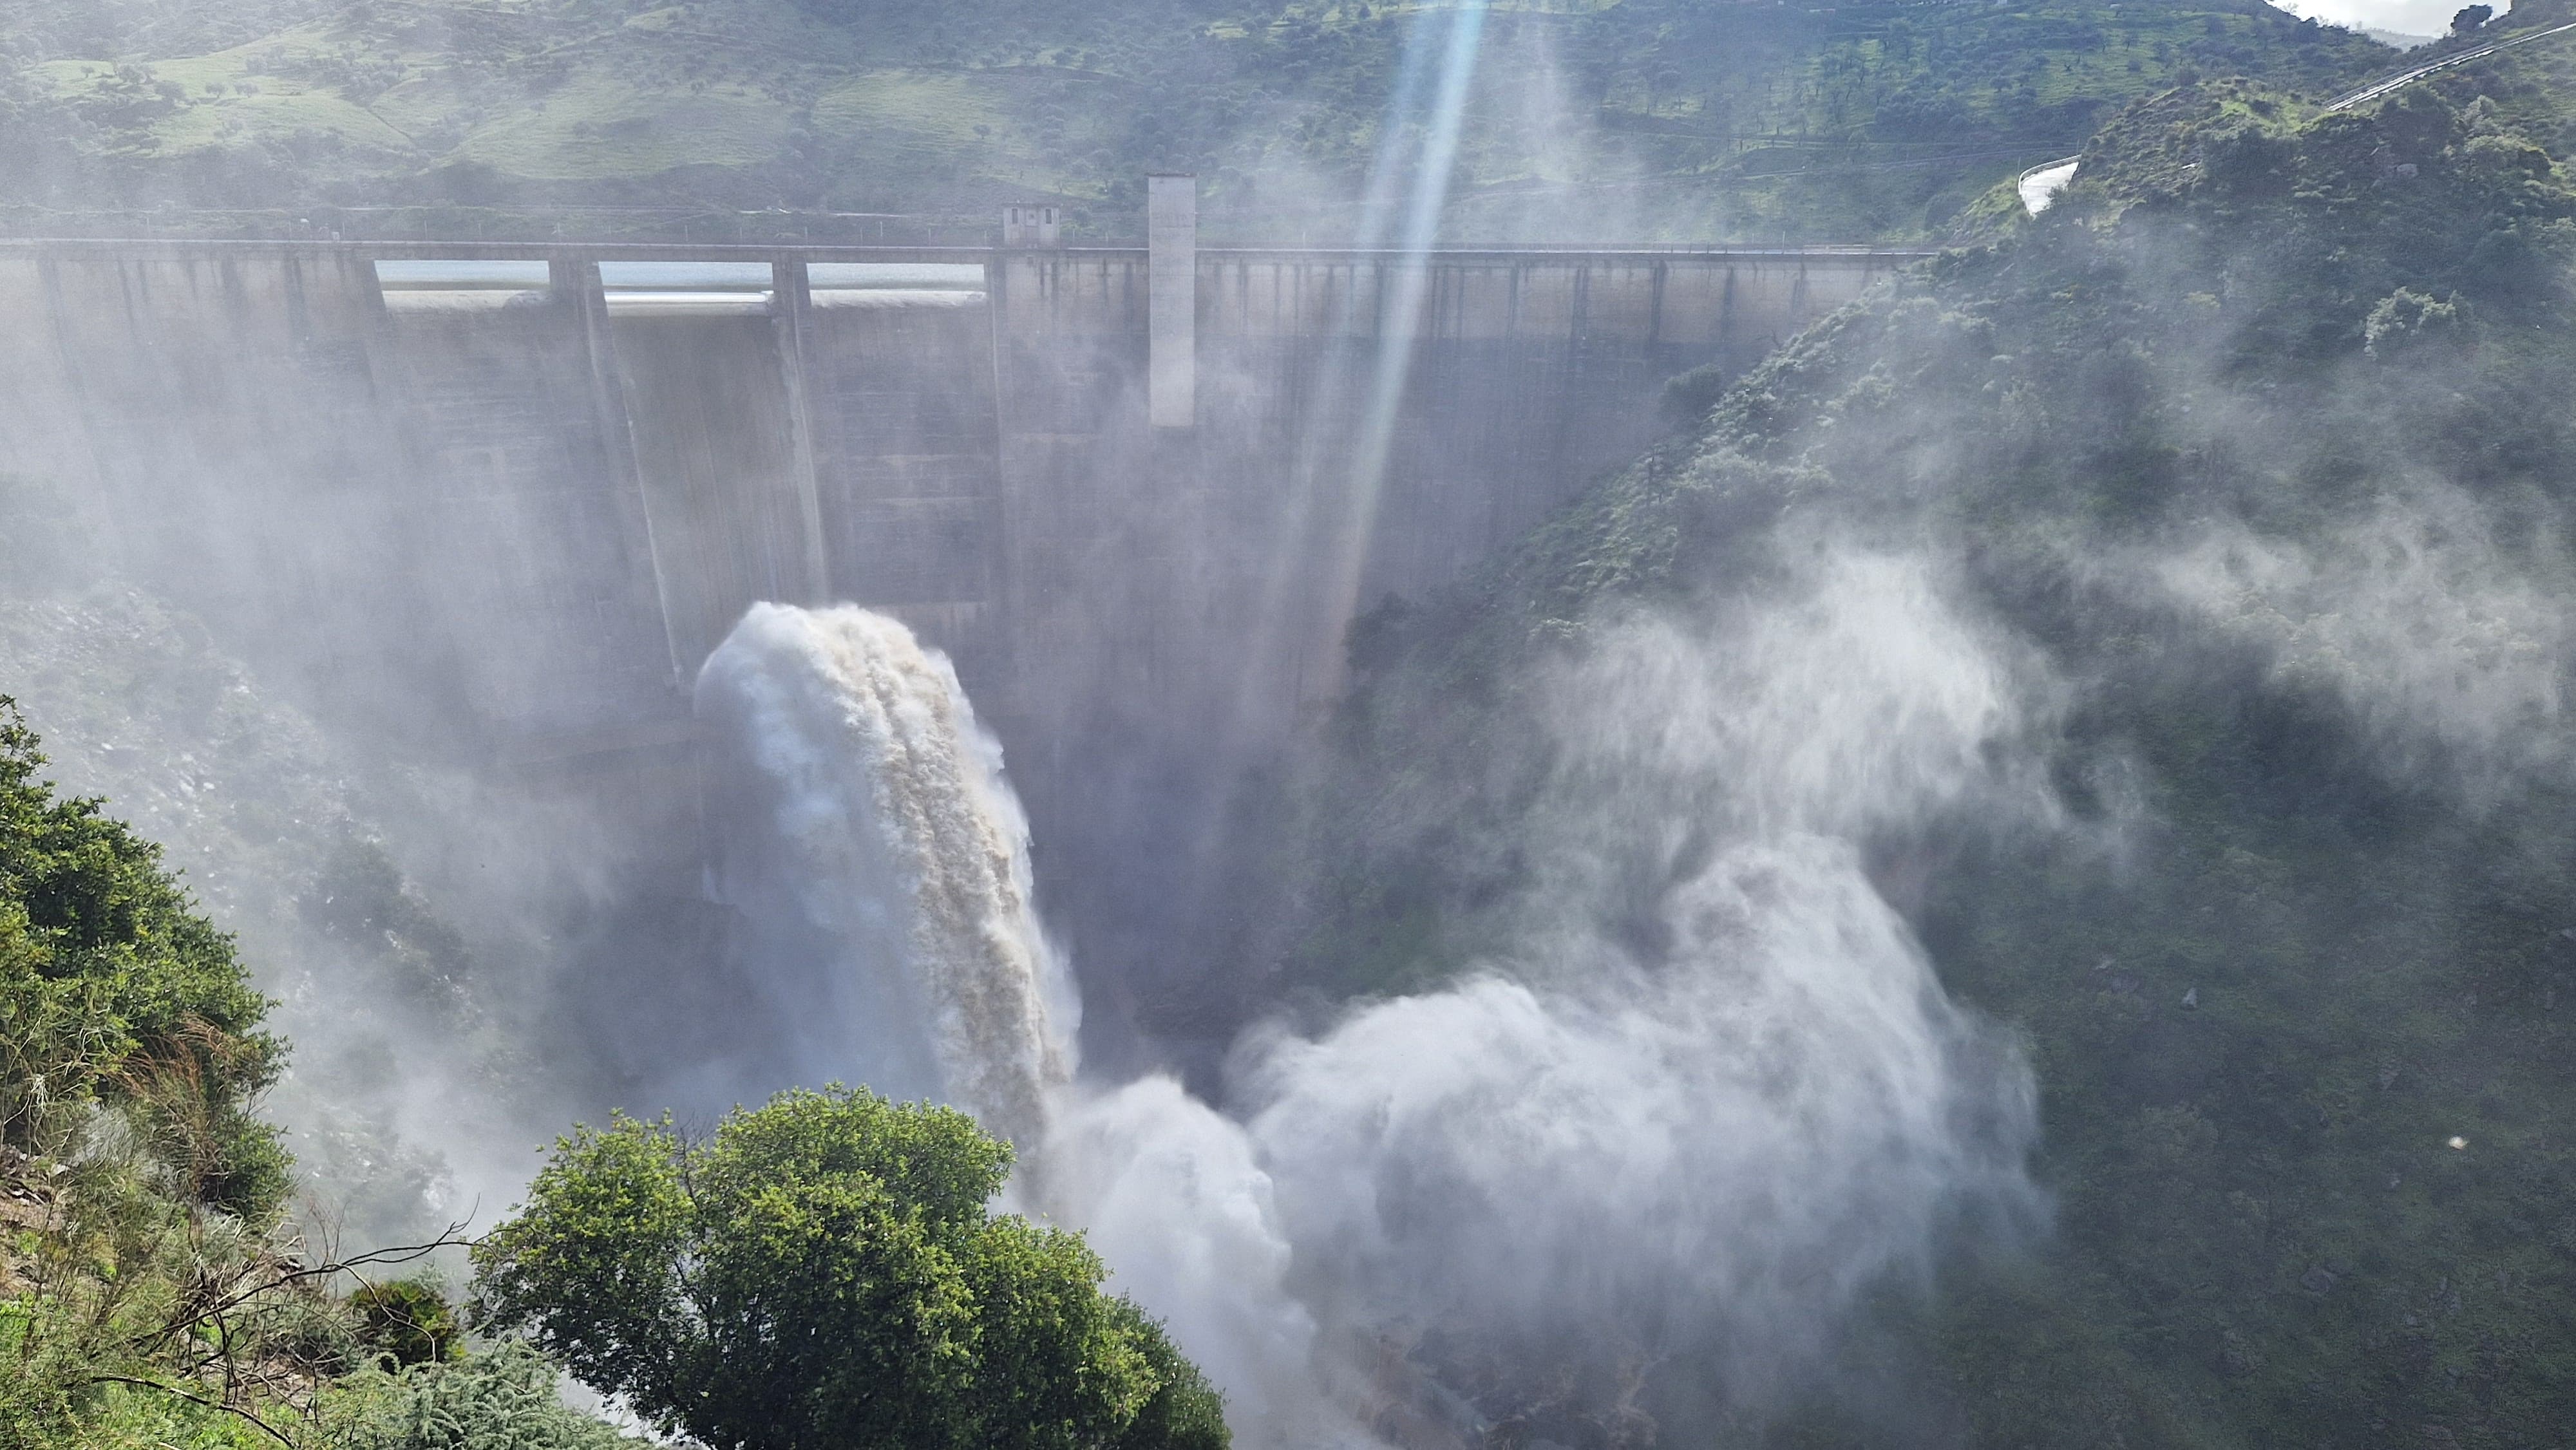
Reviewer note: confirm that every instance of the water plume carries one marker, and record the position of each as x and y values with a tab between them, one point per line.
883	873
1711	1092
1175	1200
1711	1087
887	842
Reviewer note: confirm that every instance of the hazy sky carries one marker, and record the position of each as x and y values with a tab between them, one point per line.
2415	17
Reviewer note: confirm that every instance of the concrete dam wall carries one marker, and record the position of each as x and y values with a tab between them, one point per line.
500	502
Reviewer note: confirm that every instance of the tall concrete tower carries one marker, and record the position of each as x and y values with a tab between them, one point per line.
1172	298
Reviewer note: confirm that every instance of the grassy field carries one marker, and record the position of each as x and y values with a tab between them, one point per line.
1640	118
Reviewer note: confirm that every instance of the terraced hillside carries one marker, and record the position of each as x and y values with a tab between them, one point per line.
1587	118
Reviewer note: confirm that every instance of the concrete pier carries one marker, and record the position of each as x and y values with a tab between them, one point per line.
1172	242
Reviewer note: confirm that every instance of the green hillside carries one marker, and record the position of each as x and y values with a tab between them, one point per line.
1640	118
2255	448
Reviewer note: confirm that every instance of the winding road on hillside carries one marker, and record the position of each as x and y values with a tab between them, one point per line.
2040	184
2411	75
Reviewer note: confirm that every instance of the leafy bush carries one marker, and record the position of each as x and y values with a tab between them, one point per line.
825	1273
2406	316
114	989
407	1321
126	1288
150	1296
498	1398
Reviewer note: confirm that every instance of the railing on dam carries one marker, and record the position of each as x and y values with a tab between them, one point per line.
1682	294
1647	266
818	252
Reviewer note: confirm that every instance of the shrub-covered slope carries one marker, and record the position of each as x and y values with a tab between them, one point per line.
116	991
152	1293
2257	447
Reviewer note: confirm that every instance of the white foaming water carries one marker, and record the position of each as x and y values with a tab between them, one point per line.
1176	1203
889	847
1714	1092
894	838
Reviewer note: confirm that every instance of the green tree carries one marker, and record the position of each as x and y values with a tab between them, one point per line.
824	1274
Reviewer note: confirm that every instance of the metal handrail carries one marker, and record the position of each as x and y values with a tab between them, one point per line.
749	252
2410	76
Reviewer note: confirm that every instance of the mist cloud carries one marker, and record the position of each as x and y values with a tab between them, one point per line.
1693	1131
2449	645
389	1096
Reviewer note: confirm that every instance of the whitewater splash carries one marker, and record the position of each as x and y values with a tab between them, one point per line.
899	850
885	847
1688	1142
